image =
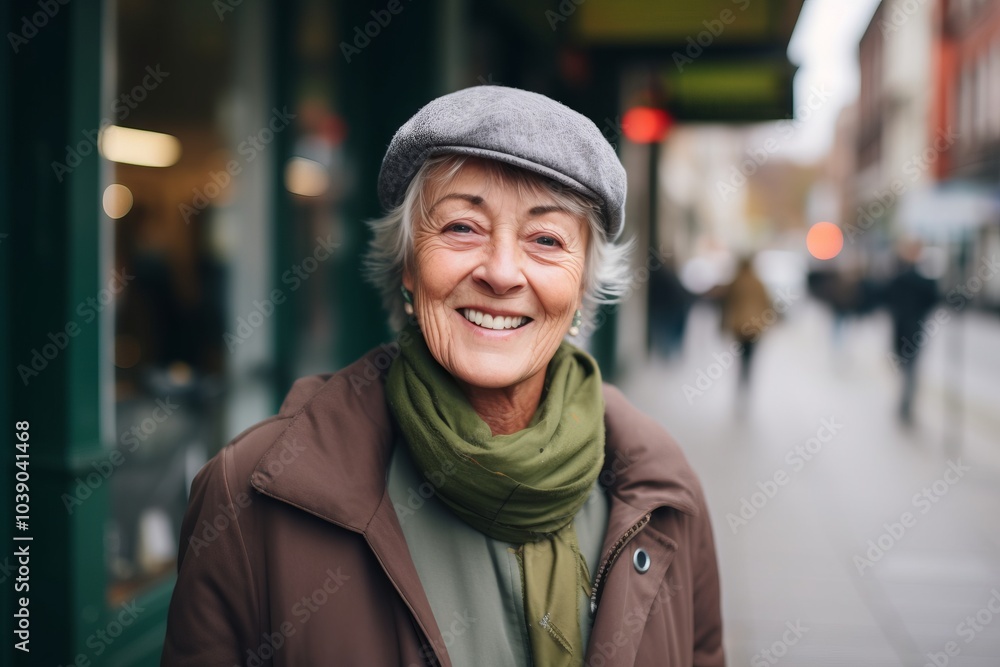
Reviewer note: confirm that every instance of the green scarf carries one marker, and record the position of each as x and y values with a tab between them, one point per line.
525	487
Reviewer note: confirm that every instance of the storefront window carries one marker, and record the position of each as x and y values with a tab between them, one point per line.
169	194
223	180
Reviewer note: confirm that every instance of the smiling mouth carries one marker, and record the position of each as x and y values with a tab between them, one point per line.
494	322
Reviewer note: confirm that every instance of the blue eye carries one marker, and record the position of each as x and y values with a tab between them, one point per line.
547	241
459	227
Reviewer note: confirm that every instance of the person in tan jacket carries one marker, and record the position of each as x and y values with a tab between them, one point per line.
472	493
745	305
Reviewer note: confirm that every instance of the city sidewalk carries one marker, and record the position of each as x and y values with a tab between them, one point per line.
843	538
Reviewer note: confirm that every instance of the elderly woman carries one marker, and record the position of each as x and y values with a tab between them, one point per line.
470	494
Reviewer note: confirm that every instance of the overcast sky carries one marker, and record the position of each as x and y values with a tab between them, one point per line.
825	47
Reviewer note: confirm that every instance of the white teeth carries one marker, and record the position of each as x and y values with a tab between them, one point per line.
488	321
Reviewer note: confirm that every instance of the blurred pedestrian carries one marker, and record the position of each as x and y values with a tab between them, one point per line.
744	305
909	297
843	297
669	305
845	300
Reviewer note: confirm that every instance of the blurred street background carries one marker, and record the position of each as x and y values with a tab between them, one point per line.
814	194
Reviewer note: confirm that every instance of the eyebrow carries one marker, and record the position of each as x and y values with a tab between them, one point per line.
550	208
475	200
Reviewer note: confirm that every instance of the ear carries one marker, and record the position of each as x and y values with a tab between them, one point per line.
408	281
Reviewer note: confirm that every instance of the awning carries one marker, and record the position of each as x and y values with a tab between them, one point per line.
717	60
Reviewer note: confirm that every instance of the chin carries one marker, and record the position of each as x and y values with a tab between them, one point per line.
488	370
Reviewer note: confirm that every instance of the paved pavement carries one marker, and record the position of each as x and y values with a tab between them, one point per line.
845	538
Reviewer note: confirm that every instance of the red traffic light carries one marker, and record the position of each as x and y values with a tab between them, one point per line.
646	125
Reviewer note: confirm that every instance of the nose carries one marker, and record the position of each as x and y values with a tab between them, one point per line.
501	272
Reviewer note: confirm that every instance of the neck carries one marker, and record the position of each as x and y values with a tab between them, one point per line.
508	409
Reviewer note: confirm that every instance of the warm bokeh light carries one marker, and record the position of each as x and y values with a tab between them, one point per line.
646	125
140	147
825	240
117	201
306	177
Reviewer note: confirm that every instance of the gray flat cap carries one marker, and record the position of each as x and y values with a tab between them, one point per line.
515	126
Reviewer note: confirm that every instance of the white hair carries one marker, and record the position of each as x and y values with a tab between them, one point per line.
606	267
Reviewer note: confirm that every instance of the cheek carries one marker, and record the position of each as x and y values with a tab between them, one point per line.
439	271
560	290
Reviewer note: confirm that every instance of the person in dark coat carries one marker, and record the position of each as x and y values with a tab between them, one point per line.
909	297
669	306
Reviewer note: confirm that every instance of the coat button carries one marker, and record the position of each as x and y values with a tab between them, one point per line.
641	560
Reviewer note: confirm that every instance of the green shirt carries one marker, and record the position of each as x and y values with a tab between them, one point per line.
472	581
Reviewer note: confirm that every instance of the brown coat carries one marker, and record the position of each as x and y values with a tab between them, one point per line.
292	553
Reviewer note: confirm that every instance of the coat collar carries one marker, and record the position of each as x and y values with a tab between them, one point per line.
331	459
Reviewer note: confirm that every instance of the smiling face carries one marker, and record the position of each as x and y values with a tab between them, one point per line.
497	276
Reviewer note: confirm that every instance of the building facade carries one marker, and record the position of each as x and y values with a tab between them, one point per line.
967	106
928	146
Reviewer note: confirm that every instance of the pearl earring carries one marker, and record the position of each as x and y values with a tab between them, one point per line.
408	298
574	328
